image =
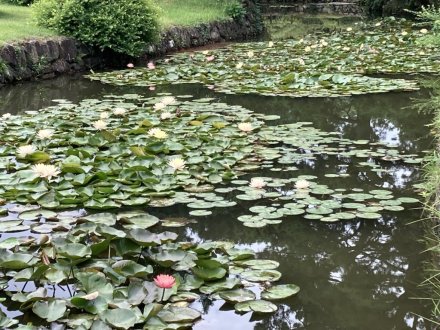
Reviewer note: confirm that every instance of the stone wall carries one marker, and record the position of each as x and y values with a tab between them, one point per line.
42	59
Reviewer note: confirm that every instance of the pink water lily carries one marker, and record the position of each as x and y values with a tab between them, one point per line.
151	66
164	281
130	65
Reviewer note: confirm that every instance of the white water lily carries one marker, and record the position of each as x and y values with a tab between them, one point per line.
104	115
245	127
404	33
6	115
157	133
44	134
271	44
349	29
119	111
45	171
205	52
166	115
239	65
25	150
250	54
301	61
346	49
257	183
324	43
378	24
159	106
177	163
302	184
307	49
99	125
301	41
168	100
424	31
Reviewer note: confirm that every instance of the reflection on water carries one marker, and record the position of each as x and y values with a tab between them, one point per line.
353	274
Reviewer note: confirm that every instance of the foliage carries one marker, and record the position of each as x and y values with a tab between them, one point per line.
124	26
235	10
106	264
317	65
134	154
430	15
431	196
394	7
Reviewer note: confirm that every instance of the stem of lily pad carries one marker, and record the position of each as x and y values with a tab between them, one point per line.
163	294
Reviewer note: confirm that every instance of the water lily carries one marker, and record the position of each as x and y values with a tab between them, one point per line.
45	171
6	115
378	24
271	44
346	48
25	150
130	65
424	31
152	88
257	183
239	65
119	111
324	43
157	133
404	33
99	125
307	49
168	100
245	127
166	115
44	134
210	58
177	163
250	54
151	66
104	115
349	29
302	184
205	52
164	281
159	106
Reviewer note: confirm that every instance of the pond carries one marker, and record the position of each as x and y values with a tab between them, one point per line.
353	274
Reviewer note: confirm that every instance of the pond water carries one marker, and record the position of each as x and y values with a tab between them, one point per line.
355	274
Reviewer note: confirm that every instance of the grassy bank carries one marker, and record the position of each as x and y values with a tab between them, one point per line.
432	203
191	12
16	22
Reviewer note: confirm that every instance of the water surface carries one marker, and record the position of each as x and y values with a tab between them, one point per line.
360	274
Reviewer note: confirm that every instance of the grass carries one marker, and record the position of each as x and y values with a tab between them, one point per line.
16	24
191	12
432	202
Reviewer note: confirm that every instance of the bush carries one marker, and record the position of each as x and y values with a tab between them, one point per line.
124	26
235	10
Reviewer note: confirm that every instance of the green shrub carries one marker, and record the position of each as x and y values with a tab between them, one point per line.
124	26
235	10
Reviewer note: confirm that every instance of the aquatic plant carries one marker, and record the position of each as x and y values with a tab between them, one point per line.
318	65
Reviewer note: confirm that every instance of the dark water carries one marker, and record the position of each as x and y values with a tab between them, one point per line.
360	274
